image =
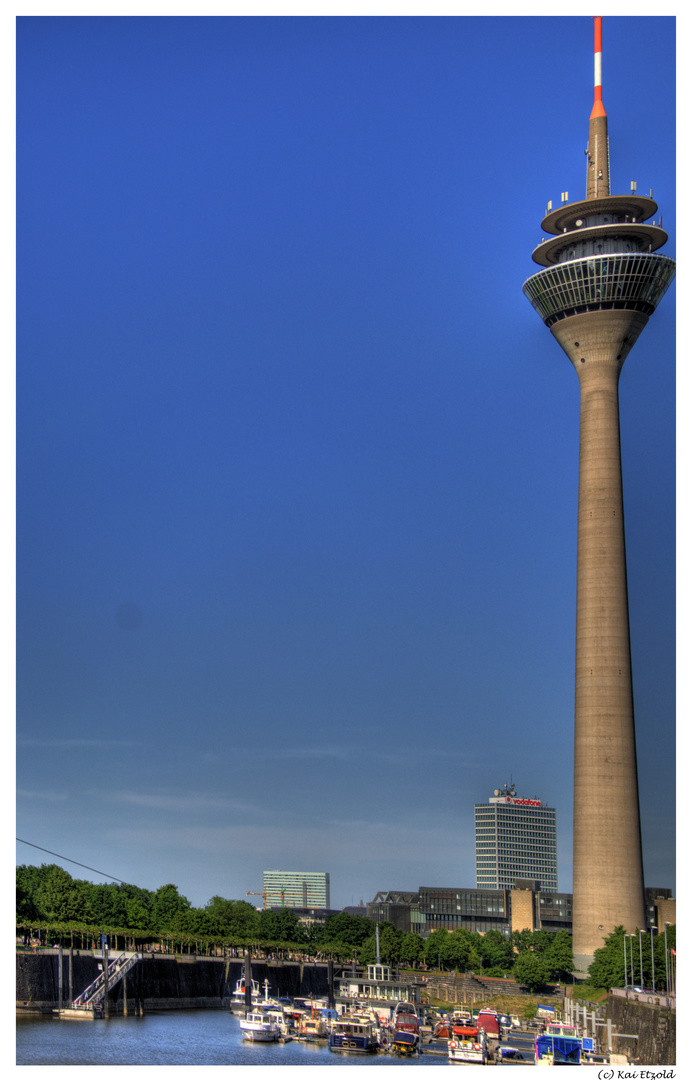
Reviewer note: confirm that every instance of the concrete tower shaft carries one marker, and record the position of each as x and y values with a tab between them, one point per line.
608	884
602	280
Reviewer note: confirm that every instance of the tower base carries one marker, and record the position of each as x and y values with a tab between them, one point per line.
581	963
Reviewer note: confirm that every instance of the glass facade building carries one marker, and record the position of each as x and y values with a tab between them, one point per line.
479	910
464	909
515	838
296	889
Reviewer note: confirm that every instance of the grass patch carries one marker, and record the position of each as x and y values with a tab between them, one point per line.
595	994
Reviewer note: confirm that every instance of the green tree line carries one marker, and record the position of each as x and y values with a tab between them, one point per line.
73	911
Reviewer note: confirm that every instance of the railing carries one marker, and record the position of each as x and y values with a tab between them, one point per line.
116	971
634	281
646	997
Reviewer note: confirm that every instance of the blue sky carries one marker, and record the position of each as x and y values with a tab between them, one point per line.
297	461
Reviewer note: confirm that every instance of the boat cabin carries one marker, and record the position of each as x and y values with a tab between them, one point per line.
377	983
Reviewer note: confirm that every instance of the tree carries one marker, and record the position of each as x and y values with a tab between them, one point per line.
60	899
169	908
474	960
350	929
536	941
237	918
411	949
438	949
138	915
522	940
559	956
367	952
608	967
390	943
530	970
279	926
461	953
496	950
25	906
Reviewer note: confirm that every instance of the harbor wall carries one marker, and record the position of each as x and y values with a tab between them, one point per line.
158	983
654	1026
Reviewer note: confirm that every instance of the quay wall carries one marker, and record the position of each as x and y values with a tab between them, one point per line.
654	1026
158	983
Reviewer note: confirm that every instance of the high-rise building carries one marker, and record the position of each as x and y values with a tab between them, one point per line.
602	280
514	838
296	889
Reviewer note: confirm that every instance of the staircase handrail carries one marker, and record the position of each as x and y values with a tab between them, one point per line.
116	970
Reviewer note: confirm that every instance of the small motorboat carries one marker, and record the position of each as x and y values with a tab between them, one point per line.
260	1026
469	1045
353	1035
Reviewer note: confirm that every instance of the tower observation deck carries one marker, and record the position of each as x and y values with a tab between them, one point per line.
601	281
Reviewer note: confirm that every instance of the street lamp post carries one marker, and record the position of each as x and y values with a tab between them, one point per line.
632	976
640	934
666	955
625	961
652	930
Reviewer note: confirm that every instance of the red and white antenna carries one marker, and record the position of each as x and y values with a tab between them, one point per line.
598	107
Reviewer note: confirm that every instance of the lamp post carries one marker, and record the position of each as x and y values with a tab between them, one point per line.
632	976
625	962
666	955
640	934
652	930
673	971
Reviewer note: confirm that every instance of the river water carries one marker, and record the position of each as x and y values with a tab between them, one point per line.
199	1037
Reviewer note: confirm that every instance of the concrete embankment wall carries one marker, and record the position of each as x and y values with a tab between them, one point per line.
654	1026
159	982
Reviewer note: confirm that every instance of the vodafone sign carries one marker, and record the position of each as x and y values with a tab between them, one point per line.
524	802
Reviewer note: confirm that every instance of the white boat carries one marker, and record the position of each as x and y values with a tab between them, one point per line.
468	1044
283	1018
238	996
260	1026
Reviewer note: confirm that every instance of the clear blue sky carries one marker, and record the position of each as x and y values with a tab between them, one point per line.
297	461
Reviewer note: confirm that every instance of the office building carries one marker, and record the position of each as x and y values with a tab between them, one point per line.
296	889
523	907
600	283
514	838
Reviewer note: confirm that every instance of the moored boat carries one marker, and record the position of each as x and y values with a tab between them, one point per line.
404	1043
405	1029
554	1049
353	1035
509	1053
444	1028
283	1018
312	1028
260	1026
468	1044
238	996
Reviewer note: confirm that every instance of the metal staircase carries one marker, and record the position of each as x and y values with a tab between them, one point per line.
116	970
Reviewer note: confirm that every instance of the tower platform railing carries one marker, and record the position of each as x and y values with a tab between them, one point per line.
637	281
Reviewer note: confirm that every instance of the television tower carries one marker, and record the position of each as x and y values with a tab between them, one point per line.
601	283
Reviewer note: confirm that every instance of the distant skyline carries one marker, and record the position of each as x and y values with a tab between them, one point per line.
297	461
